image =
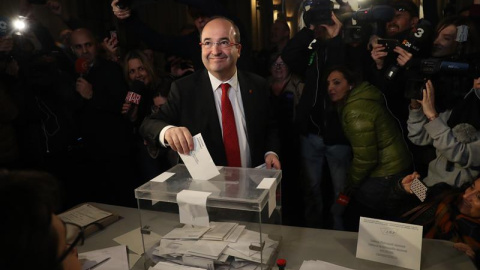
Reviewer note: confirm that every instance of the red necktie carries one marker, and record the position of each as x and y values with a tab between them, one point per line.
230	137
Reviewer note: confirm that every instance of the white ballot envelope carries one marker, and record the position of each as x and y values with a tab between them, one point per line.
390	242
199	163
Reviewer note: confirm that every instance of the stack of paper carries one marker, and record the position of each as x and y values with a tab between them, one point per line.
222	244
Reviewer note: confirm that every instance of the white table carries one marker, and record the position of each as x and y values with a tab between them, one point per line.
298	244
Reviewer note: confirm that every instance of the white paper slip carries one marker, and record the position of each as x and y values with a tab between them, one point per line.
390	242
133	240
321	265
173	247
84	215
219	230
199	163
162	177
186	232
173	266
208	249
118	258
192	207
269	183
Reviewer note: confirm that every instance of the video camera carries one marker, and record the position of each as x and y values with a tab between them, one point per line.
370	20
468	68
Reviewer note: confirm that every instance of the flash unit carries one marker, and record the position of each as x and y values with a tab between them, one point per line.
19	25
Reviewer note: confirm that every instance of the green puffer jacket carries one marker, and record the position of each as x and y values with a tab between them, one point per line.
378	146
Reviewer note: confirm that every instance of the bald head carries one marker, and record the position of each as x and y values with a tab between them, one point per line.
84	44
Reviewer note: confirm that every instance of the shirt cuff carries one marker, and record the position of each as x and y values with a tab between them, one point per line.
270	152
161	137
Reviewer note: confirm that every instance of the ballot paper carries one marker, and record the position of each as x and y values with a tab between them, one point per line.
208	249
241	248
390	242
162	177
173	266
187	232
118	258
271	185
133	240
321	265
84	215
219	230
199	163
192	207
173	248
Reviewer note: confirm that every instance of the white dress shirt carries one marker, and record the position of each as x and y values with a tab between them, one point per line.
236	99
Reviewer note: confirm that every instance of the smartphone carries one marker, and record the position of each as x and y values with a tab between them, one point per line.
113	35
389	44
419	189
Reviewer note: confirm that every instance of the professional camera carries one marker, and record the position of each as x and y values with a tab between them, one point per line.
318	12
370	20
466	69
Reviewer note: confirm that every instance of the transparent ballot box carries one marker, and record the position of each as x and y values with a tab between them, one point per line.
223	232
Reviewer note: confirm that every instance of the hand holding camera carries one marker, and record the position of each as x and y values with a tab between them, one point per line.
120	9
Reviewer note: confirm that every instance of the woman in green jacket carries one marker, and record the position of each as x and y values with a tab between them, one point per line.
380	154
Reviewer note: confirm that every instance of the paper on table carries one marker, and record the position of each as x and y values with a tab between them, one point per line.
192	206
269	183
162	177
133	240
320	265
199	163
390	242
84	215
132	259
118	258
208	249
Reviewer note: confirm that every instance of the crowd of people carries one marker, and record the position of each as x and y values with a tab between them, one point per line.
351	123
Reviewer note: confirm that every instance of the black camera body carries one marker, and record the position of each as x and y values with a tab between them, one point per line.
466	68
318	12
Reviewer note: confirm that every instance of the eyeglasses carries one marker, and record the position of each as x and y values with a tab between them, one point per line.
222	44
74	236
278	65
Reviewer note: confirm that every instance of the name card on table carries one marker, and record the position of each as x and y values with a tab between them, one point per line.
390	242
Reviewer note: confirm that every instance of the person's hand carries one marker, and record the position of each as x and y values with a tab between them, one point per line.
179	139
428	101
465	248
407	181
333	30
84	88
111	45
378	54
271	160
403	56
120	13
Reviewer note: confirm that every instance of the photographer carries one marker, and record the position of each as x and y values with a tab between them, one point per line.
455	134
310	52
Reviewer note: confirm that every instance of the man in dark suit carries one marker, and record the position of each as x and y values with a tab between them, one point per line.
195	105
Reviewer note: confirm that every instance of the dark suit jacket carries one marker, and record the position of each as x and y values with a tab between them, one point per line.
191	104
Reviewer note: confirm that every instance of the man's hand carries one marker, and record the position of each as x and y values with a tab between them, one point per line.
465	248
378	54
407	181
84	88
403	56
333	30
120	13
179	139
271	160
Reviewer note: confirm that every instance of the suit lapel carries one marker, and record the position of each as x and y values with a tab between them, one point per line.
247	92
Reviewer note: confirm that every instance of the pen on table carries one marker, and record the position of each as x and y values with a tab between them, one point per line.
98	264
